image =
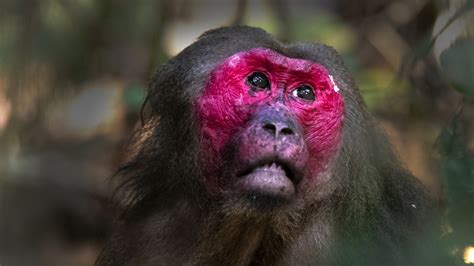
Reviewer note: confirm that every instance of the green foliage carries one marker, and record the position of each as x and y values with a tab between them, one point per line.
457	172
134	96
458	64
378	87
457	160
329	30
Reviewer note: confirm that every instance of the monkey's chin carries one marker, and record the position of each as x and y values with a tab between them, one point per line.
270	181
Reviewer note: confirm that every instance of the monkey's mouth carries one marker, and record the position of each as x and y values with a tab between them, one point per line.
275	179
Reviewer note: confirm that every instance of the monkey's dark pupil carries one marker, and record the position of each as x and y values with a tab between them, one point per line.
258	80
305	92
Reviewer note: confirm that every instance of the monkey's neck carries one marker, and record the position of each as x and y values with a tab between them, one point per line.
194	235
238	233
236	241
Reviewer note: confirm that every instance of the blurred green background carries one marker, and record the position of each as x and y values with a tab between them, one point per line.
73	75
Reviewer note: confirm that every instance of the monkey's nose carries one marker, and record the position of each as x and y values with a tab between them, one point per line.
278	129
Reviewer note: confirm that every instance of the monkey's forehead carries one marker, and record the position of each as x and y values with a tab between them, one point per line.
276	60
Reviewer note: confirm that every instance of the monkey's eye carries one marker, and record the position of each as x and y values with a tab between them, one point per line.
258	80
304	92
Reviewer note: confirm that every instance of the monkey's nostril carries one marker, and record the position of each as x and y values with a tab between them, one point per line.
271	128
277	129
286	131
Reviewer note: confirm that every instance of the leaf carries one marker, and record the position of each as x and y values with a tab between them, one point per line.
468	6
458	64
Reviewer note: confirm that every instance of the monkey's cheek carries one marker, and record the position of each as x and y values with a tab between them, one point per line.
268	181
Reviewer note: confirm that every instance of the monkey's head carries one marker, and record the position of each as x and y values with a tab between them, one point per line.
260	152
273	122
248	117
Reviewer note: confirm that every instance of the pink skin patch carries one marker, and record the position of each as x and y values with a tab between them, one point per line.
228	102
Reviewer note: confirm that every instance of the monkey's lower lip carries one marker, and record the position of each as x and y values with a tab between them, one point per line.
272	179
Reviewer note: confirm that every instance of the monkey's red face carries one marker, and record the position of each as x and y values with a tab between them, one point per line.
269	124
